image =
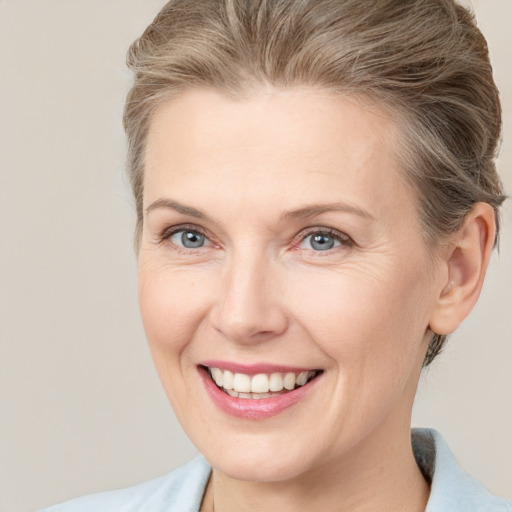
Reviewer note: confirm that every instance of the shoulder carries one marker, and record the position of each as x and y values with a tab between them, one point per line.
452	489
181	490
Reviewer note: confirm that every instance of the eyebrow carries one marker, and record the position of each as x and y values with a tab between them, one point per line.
300	214
314	210
174	205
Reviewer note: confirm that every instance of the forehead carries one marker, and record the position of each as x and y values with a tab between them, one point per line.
278	145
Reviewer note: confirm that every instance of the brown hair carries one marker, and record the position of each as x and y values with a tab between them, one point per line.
426	60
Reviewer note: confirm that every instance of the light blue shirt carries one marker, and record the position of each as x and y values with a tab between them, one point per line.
452	489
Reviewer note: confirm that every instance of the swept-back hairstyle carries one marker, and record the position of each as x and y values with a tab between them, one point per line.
424	61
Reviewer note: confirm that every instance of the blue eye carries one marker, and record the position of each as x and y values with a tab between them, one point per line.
320	242
189	239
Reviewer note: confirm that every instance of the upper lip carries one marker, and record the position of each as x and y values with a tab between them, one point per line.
255	368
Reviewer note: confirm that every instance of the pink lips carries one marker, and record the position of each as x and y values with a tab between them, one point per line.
253	409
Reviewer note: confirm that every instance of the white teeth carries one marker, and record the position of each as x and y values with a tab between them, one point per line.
289	381
242	383
217	375
276	382
228	380
261	385
254	396
302	378
263	395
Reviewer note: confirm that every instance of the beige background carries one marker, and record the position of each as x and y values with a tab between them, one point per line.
81	408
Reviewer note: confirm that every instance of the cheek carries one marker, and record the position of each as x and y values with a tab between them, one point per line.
171	304
372	331
172	308
365	316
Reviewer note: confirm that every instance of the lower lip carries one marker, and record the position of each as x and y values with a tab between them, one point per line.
254	409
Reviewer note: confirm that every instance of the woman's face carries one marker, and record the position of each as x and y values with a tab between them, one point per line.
280	244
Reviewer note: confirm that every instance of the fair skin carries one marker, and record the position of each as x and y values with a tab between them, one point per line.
235	192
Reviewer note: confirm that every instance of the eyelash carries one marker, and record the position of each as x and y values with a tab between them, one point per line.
344	240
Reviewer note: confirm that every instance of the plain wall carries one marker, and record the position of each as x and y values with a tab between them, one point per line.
81	408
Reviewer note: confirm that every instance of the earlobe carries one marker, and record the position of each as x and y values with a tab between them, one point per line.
466	262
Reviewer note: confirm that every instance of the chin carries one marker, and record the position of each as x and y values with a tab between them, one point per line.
258	463
258	471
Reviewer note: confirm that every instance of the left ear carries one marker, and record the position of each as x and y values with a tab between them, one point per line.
466	260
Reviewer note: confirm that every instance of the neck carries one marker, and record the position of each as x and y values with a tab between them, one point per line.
377	477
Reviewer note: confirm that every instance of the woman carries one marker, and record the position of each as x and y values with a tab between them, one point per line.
317	203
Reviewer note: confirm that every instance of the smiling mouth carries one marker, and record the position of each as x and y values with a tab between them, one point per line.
260	385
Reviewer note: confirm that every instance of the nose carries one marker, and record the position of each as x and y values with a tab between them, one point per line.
249	307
